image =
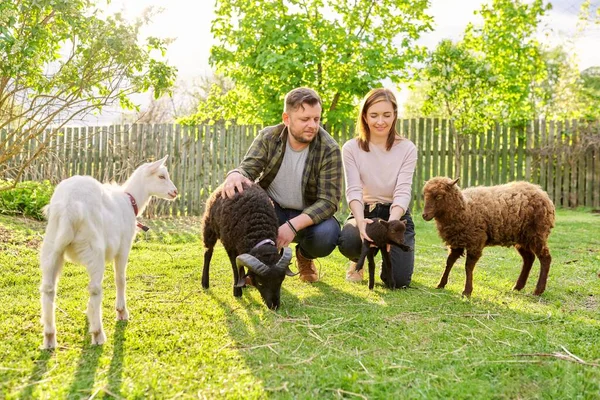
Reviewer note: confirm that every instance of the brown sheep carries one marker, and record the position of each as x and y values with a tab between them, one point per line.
516	214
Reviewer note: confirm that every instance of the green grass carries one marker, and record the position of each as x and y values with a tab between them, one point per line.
332	339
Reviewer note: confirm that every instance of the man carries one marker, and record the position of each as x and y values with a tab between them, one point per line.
300	166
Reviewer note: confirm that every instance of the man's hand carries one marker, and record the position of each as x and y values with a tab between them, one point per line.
285	236
234	180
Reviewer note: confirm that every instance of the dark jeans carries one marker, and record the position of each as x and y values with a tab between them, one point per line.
316	240
403	262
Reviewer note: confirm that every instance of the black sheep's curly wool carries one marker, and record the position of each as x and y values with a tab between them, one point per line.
242	222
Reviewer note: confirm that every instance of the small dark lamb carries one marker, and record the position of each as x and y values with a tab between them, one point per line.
382	233
247	227
516	214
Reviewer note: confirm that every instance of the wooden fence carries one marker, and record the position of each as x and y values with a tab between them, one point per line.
561	156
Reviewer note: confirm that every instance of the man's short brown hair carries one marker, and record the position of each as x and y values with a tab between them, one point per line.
299	96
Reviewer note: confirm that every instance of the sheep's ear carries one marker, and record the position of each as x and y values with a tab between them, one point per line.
251	262
284	262
241	277
384	223
454	182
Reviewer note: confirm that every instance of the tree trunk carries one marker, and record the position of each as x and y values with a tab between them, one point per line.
458	147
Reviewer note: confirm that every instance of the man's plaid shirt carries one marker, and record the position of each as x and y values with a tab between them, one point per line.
322	176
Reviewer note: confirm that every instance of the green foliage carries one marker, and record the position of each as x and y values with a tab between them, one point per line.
457	79
507	39
60	59
36	34
223	106
590	93
340	49
493	73
330	339
27	198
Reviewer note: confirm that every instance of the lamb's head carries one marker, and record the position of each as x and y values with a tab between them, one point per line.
384	232
395	231
267	278
438	193
157	180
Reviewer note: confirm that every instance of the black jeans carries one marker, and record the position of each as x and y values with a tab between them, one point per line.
403	263
316	240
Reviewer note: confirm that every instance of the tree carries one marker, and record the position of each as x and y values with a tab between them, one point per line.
558	95
214	94
457	83
60	60
492	74
590	92
341	49
507	39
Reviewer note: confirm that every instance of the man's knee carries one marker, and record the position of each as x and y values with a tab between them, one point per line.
322	240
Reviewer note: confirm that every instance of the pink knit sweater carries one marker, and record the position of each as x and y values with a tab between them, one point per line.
379	176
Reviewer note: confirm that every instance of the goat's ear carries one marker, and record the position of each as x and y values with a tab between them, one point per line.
384	223
454	182
164	159
154	166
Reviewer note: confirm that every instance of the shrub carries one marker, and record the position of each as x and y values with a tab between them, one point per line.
27	198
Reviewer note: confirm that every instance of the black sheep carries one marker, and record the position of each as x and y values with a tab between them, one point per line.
382	233
247	227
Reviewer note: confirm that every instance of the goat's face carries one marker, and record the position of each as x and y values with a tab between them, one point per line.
268	278
158	182
435	191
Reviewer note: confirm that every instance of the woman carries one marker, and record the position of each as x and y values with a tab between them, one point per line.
379	167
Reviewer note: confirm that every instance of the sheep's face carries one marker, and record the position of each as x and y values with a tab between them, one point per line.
435	191
158	182
267	278
396	231
431	200
269	286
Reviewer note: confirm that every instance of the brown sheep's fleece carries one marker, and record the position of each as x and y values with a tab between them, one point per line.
516	214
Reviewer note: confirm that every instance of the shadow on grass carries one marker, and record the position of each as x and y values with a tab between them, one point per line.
83	381
115	372
334	341
39	370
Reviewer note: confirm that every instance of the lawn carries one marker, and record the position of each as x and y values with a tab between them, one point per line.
332	339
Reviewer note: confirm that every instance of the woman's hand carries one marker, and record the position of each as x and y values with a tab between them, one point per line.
362	228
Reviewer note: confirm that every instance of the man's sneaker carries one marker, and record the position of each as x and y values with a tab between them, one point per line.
352	275
306	268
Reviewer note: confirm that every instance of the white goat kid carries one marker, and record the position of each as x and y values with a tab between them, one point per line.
91	223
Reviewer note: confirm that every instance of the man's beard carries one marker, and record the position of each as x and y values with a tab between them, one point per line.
299	137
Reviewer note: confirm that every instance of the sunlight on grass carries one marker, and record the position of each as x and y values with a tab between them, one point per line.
330	339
